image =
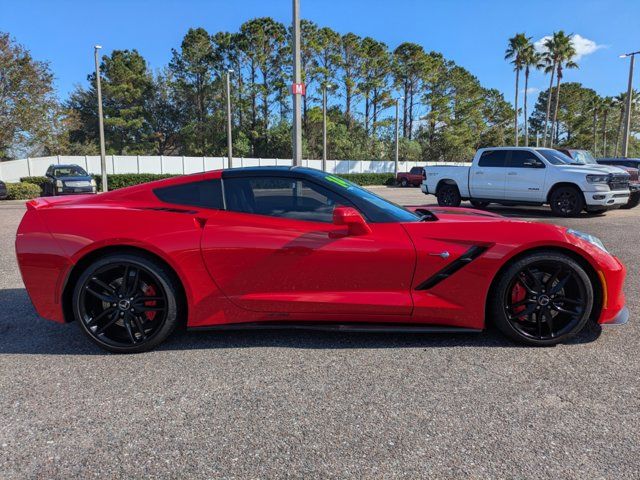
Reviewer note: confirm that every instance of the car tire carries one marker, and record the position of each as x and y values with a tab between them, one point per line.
448	196
542	299
404	183
127	316
633	202
567	201
478	204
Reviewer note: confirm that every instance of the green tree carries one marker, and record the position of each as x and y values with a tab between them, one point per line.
409	63
531	59
351	66
27	103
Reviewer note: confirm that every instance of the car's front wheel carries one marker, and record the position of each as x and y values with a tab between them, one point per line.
542	299
567	201
633	202
126	302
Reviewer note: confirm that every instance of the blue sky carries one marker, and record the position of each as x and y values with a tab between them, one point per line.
472	33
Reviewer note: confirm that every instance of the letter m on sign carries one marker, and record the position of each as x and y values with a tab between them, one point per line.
298	89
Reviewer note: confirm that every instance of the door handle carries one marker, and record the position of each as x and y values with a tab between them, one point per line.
444	254
479	173
512	173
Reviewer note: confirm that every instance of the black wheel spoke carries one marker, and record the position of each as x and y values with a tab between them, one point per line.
549	318
132	283
564	310
127	326
110	290
149	308
139	326
100	296
560	285
570	301
539	322
112	320
100	316
552	279
142	300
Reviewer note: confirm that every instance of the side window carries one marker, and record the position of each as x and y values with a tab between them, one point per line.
204	194
524	159
493	158
416	171
282	197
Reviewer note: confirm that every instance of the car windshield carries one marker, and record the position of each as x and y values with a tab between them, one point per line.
71	171
391	209
583	157
555	157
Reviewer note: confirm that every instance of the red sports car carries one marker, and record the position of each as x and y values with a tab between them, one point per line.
296	247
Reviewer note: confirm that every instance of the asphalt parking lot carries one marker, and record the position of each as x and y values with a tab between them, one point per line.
321	405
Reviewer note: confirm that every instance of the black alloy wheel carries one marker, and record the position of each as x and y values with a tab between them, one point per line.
126	303
404	183
567	202
543	299
448	196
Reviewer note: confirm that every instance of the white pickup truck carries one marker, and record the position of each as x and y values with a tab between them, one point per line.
528	176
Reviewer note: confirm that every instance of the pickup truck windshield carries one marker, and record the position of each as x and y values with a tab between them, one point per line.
583	157
555	157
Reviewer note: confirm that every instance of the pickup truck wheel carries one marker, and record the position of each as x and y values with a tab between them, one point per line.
404	183
633	202
478	204
448	196
542	299
567	202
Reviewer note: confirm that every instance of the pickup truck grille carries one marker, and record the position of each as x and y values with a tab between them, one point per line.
619	182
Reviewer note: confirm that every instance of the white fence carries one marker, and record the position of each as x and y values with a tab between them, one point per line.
13	170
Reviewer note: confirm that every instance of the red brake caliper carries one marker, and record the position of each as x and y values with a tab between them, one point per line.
518	293
149	291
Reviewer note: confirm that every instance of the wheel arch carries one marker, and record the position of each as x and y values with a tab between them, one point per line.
93	255
446	181
558	185
583	262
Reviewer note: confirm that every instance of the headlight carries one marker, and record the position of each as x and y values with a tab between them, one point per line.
597	178
59	183
595	241
93	182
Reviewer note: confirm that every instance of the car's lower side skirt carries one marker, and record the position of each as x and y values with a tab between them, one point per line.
341	327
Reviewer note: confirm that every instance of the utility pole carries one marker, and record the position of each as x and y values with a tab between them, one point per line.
627	121
103	156
229	134
324	127
297	78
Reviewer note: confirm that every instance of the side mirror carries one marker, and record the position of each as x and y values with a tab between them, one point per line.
352	219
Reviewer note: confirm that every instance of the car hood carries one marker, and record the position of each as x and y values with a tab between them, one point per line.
81	178
593	169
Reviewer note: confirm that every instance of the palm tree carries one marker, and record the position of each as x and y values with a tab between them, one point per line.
531	59
515	53
621	102
595	105
607	104
550	67
563	52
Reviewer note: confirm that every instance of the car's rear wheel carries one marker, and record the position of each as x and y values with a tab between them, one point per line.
478	204
567	201
126	302
404	182
448	196
542	299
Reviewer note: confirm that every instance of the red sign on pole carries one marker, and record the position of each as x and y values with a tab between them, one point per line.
298	89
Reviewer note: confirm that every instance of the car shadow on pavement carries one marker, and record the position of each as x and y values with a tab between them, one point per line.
23	332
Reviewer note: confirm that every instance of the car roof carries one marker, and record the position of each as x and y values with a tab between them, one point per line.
64	165
270	170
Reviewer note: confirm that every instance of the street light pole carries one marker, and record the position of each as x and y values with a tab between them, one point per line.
397	147
627	122
229	134
297	121
103	156
324	127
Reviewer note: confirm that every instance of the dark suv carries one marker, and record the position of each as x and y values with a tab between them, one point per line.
68	180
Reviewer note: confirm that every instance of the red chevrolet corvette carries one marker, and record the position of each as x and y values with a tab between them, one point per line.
296	247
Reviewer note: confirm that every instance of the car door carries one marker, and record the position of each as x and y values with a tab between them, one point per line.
526	176
275	249
487	177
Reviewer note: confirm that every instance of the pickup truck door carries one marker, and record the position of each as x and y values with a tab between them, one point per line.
488	175
526	175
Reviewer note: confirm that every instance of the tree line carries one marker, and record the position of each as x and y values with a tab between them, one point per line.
445	112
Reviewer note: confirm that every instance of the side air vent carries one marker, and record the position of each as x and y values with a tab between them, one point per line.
466	258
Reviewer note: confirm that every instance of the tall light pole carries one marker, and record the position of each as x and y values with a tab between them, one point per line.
229	137
297	78
103	156
397	142
627	122
325	86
